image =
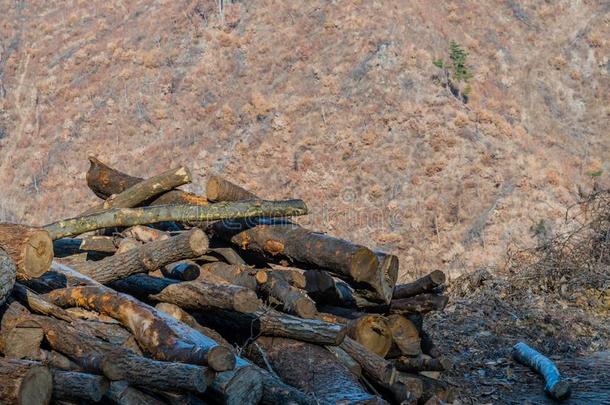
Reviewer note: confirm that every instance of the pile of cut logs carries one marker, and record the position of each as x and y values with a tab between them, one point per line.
161	296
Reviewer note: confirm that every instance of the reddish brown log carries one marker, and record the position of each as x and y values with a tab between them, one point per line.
147	257
219	189
310	368
24	382
106	181
420	286
31	249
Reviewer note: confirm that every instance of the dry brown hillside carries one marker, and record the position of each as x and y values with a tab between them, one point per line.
333	101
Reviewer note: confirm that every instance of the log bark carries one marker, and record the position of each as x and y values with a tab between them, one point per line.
105	181
421	363
184	270
7	275
142	286
294	277
147	257
31	249
352	365
555	386
293	300
76	386
310	368
228	254
268	322
201	295
242	275
220	189
115	217
146	190
376	367
159	334
281	240
406	340
242	385
326	289
121	393
24	382
104	244
422	304
276	392
422	285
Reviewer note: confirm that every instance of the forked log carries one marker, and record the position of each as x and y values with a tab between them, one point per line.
105	181
421	363
220	189
184	270
376	367
146	190
242	385
406	340
121	393
7	275
268	322
31	249
161	335
293	300
201	295
422	303
422	285
555	386
24	382
116	217
310	368
282	240
77	386
146	257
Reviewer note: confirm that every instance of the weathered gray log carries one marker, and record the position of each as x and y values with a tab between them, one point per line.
31	249
422	285
282	240
310	368
105	181
220	189
145	190
161	335
555	386
277	392
147	257
121	393
242	385
181	213
268	322
77	386
352	365
24	382
376	367
184	270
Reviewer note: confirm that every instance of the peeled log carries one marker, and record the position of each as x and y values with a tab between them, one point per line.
146	257
419	286
115	217
24	382
7	275
282	240
31	249
76	386
310	368
158	333
105	181
200	295
219	189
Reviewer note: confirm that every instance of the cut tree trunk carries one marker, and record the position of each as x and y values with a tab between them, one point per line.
219	189
310	368
158	333
146	257
294	277
76	386
24	382
30	248
242	275
121	393
422	303
281	240
242	385
347	360
420	286
268	322
293	300
7	275
329	290
106	181
277	392
202	295
376	367
421	363
145	190
373	332
142	286
228	254
185	270
406	340
116	217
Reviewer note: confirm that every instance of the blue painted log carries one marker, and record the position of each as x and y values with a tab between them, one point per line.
555	387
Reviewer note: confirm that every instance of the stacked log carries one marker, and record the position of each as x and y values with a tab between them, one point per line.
236	304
